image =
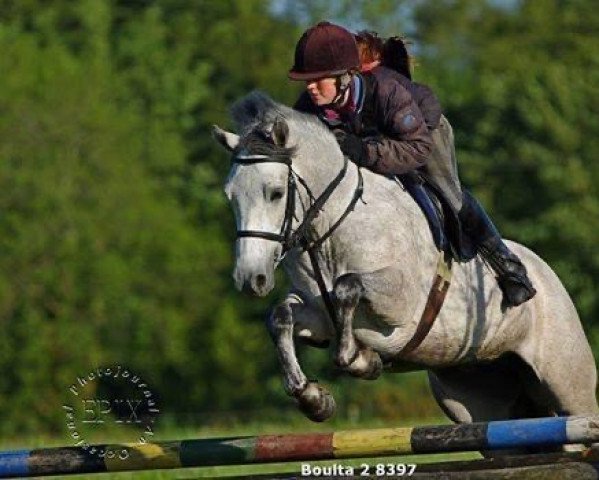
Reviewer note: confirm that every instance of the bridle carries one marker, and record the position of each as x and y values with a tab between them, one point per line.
289	238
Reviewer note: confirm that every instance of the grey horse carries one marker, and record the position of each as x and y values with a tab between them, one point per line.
484	362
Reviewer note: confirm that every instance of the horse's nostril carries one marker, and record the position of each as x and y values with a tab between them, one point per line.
260	280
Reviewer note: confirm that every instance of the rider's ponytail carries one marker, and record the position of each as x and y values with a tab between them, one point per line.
396	56
390	52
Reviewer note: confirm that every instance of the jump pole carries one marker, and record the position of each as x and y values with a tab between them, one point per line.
541	432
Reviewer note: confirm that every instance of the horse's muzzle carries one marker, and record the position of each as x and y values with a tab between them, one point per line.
256	284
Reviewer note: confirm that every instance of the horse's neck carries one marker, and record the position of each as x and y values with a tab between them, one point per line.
386	215
319	173
388	211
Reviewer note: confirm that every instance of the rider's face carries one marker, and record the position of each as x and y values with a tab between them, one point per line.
323	90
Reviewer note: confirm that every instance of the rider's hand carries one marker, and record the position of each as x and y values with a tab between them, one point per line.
352	146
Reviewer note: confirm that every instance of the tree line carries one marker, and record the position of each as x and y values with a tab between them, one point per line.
115	237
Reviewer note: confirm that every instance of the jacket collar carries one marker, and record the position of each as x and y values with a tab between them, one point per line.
335	116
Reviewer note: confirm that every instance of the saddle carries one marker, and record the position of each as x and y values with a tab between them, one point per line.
443	220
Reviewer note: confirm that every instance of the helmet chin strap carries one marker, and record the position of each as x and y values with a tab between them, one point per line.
343	82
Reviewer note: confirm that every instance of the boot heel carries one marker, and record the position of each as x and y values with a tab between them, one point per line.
516	291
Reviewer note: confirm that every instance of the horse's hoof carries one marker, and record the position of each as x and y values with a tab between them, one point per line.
316	402
369	366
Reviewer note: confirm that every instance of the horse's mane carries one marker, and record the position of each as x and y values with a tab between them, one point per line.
258	112
256	109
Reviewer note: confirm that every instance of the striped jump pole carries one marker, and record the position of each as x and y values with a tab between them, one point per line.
543	432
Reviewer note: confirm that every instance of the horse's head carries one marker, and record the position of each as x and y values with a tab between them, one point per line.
257	187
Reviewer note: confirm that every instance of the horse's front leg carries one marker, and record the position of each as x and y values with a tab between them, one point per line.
356	359
290	317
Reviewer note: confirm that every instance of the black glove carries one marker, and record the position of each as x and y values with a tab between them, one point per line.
352	146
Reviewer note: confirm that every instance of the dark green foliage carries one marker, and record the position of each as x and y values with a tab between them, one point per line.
115	237
116	243
521	87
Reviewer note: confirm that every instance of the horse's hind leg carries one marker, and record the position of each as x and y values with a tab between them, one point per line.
350	355
508	388
481	393
475	393
567	387
314	400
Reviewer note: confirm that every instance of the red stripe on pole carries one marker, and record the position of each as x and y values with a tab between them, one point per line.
294	447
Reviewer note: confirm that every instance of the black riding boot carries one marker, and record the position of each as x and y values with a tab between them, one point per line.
511	273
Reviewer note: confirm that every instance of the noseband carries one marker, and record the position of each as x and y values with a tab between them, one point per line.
284	235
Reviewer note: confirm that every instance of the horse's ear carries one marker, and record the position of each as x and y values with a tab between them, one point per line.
226	139
280	132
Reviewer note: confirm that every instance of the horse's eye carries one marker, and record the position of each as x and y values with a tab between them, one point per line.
276	195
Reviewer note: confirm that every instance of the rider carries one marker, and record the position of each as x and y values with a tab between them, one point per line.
385	122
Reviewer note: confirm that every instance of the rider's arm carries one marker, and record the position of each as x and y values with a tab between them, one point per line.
406	142
428	103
